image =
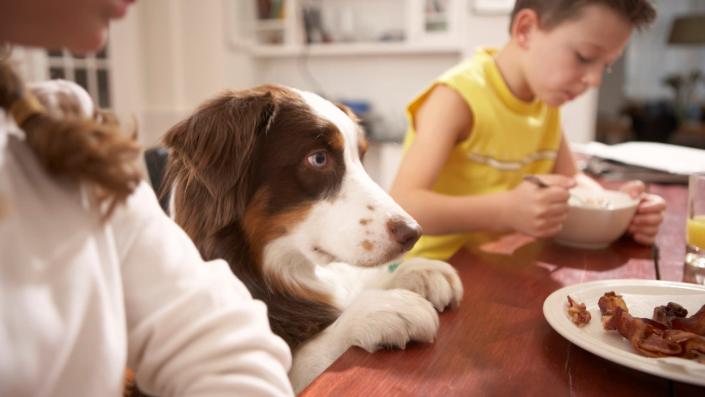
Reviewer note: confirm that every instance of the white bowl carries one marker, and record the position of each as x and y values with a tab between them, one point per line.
596	218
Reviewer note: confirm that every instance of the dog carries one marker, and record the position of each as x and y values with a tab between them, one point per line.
271	179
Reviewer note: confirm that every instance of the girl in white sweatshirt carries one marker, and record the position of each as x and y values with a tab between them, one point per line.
94	277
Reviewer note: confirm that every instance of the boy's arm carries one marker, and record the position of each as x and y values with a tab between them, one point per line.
442	121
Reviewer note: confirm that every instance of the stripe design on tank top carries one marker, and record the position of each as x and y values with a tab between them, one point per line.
513	165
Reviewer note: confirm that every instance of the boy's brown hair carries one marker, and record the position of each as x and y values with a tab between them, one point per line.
639	13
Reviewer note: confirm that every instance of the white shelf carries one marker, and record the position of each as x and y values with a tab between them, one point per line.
285	37
436	17
347	49
269	24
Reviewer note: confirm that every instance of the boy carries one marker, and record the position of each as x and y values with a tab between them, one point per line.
491	120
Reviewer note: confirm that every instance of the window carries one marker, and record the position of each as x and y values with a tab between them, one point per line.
91	71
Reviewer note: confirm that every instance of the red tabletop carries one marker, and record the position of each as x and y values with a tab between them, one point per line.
498	343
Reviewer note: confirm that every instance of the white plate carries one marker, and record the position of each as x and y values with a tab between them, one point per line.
641	296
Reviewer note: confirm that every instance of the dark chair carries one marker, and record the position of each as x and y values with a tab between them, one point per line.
156	160
652	121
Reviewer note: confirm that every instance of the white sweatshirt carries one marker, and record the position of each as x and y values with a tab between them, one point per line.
81	300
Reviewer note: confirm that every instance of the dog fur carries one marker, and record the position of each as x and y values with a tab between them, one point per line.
271	180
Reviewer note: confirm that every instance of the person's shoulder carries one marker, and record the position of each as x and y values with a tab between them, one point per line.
468	78
141	207
472	68
448	107
465	70
447	97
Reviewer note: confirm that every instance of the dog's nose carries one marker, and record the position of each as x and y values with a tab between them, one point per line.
404	233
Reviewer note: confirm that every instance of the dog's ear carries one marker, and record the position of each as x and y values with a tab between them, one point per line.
216	144
346	109
362	141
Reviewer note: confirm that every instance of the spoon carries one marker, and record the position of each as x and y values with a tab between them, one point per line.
538	182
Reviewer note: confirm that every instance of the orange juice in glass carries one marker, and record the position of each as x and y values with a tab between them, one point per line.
694	270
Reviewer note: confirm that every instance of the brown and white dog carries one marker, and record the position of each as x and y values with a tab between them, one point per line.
271	180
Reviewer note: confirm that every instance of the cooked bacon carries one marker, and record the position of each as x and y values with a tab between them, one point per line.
578	312
665	314
693	345
694	323
649	337
645	337
609	303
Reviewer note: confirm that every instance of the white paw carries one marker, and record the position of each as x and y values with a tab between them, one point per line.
435	280
387	318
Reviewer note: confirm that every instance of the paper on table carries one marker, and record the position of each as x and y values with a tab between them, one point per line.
657	156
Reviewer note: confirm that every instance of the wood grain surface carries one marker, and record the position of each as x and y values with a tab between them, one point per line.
497	343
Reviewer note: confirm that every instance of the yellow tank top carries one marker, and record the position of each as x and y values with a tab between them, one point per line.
509	139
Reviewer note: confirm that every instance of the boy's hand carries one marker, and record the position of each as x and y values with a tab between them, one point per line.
539	211
649	213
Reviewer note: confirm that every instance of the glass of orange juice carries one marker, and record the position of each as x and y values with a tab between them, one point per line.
694	270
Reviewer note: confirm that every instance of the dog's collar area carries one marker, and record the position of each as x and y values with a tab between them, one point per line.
393	266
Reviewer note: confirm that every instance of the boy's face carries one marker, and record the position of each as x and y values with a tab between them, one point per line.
565	61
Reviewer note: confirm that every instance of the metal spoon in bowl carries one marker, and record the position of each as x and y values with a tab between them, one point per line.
538	182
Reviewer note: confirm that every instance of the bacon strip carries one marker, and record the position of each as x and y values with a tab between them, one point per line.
694	323
653	338
666	314
578	312
645	337
608	304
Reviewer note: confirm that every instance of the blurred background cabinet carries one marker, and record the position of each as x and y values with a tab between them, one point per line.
373	55
168	56
656	91
276	28
378	54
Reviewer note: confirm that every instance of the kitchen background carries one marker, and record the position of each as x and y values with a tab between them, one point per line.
167	56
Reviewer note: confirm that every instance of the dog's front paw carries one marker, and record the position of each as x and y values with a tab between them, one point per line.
435	280
388	318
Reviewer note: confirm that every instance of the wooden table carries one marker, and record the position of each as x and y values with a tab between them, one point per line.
497	343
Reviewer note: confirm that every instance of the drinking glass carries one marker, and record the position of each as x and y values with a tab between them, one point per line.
694	268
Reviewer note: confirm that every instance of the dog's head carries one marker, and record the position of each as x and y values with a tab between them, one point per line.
283	167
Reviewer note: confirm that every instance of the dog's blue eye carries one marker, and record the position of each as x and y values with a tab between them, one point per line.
318	159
